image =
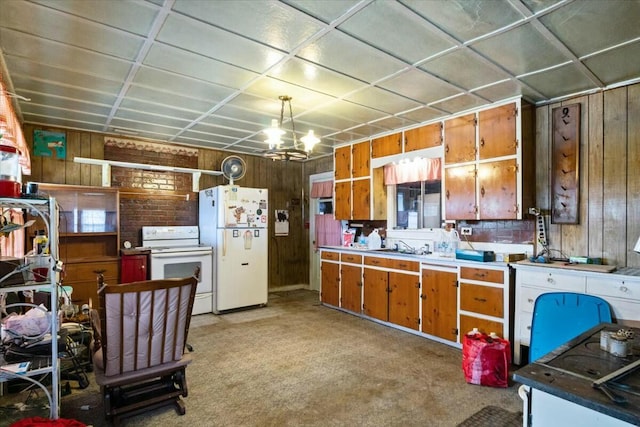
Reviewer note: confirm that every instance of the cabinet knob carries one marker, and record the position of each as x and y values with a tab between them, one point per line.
624	289
550	280
530	300
529	327
480	299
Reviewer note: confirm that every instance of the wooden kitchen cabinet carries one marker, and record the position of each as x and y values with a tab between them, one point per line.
89	236
133	266
361	206
423	137
330	283
386	145
342	199
376	293
503	183
497	132
460	192
361	154
460	139
485	295
404	299
440	302
342	162
351	287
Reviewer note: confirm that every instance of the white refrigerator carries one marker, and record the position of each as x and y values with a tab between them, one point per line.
234	221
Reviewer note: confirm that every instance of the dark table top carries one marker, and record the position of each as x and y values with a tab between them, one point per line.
569	371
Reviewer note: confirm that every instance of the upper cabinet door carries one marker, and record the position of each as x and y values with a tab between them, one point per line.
386	145
460	192
343	162
423	137
460	139
497	183
360	155
497	132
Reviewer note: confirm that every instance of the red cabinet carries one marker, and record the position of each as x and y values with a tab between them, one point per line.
133	267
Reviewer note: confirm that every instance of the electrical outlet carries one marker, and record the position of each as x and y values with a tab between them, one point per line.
465	231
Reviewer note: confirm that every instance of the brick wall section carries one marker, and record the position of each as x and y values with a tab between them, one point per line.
152	197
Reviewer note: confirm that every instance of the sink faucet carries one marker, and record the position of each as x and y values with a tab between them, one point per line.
410	249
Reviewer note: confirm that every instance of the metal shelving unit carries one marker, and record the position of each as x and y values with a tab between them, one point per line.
48	211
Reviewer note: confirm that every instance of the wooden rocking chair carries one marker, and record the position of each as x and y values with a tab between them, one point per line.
138	348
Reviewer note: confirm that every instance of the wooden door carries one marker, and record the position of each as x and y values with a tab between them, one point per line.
497	197
404	299
342	202
423	137
361	205
330	284
497	132
342	162
439	303
361	154
460	139
351	286
460	192
386	145
376	294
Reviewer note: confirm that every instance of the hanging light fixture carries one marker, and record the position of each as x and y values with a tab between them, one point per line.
277	150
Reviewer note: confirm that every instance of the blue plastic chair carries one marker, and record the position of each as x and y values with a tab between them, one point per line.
560	316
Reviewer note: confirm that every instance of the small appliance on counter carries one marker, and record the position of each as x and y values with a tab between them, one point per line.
10	185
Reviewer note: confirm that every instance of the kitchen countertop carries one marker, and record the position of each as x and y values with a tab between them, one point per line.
569	371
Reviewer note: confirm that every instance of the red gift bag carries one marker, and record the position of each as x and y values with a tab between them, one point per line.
485	359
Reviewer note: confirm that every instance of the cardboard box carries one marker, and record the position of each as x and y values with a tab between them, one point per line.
502	257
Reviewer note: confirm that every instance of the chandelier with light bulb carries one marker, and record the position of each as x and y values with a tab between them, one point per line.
277	150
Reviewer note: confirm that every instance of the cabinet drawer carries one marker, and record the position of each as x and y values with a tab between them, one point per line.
613	288
482	274
334	256
482	299
378	262
467	323
355	259
553	281
527	297
402	264
624	309
524	329
86	271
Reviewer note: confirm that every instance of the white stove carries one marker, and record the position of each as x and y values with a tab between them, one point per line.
176	252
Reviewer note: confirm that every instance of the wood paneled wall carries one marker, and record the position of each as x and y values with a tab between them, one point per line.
288	255
609	171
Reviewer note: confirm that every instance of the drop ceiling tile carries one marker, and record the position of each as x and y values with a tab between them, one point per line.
148	128
232	111
220	138
46	99
272	23
307	74
196	66
147	117
344	112
344	54
618	65
62	56
160	111
27	17
509	89
219	121
382	100
590	26
466	20
521	50
326	11
138	18
201	141
270	89
195	36
145	99
460	103
28	87
181	85
391	27
560	81
40	76
61	114
392	123
536	6
463	68
64	122
422	114
226	132
416	85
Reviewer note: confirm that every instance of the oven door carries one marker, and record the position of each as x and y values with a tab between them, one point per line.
169	265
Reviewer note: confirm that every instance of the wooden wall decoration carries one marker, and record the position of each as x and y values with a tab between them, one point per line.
565	177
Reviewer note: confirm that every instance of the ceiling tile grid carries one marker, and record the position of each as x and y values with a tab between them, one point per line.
209	73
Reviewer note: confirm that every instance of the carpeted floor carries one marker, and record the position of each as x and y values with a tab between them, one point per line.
298	363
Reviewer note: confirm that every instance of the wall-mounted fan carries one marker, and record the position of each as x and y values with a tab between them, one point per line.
233	168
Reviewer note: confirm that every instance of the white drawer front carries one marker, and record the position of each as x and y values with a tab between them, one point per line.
524	329
613	288
528	297
624	309
554	281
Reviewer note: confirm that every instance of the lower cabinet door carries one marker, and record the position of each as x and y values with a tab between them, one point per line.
376	294
439	304
404	299
351	287
330	284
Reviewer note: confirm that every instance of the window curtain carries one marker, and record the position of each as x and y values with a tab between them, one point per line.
13	244
328	231
415	171
11	131
322	189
